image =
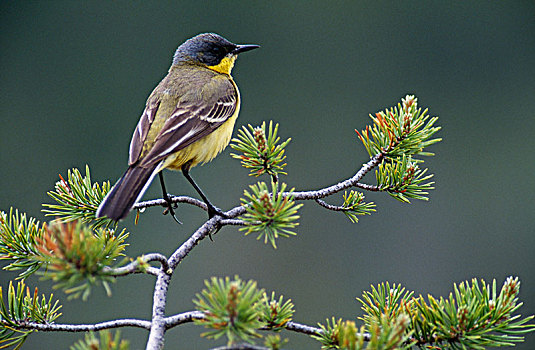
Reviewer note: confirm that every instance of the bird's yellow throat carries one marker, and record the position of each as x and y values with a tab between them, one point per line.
225	66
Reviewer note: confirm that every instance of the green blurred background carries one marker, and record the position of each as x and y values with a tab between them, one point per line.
75	76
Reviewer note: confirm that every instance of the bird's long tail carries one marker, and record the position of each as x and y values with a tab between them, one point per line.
126	192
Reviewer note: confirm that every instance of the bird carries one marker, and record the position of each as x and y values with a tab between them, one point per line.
188	120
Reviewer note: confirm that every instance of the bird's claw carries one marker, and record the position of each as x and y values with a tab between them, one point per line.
215	211
170	208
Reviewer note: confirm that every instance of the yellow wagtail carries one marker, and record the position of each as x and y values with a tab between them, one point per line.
188	119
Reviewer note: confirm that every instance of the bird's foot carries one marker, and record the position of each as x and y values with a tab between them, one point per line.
170	208
215	211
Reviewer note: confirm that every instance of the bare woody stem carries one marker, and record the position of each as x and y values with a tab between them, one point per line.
169	322
54	327
303	195
159	325
174	199
134	266
351	182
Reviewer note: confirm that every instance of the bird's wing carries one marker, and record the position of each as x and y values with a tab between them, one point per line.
189	122
142	129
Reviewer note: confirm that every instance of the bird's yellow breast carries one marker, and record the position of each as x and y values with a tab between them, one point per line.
204	149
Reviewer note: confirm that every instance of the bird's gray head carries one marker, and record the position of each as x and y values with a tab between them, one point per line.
208	49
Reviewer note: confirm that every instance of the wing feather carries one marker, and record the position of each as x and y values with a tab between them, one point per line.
142	130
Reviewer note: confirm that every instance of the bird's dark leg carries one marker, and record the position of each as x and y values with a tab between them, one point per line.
212	210
170	205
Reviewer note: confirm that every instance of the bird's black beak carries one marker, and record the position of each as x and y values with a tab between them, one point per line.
244	48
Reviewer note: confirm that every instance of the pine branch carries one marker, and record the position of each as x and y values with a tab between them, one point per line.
371	188
302	328
384	333
340	186
269	212
140	265
73	328
260	151
78	198
19	238
233	222
230	309
174	199
275	313
472	317
401	130
353	206
190	316
21	306
403	179
77	257
105	341
185	317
